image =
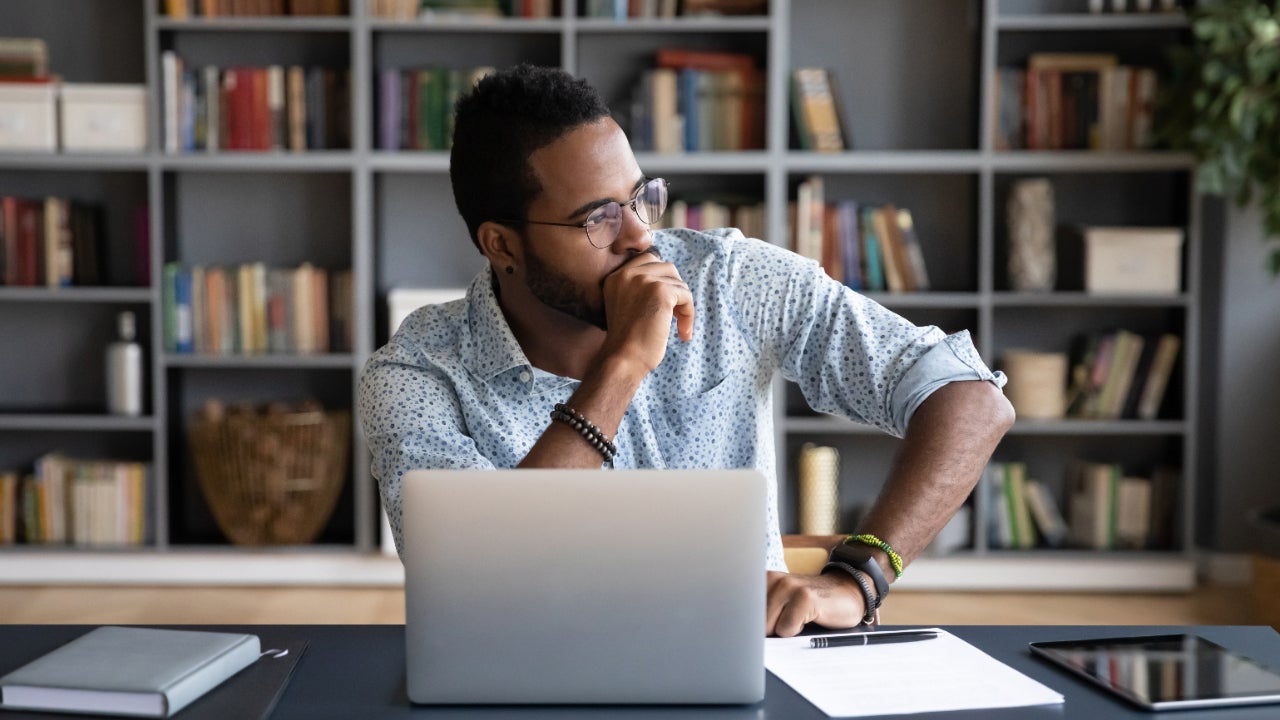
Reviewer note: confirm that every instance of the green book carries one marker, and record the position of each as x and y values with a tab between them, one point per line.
170	283
423	78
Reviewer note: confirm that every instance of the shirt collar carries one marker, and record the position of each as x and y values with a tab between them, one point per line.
493	349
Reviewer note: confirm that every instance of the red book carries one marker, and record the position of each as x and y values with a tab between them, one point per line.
233	138
681	59
30	242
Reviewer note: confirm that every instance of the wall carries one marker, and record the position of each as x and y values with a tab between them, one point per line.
1242	383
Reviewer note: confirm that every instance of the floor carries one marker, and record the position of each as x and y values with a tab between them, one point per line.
325	605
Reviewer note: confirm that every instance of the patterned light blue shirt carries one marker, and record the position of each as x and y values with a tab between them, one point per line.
453	389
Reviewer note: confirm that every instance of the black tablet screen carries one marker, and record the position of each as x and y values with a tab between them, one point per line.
1166	670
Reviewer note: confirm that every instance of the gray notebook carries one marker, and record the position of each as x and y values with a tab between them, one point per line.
141	672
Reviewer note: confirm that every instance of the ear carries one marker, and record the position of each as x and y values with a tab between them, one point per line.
500	244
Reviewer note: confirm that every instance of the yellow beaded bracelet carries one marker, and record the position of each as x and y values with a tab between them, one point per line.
894	558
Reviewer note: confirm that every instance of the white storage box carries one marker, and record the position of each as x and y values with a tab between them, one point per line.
104	118
1133	260
27	121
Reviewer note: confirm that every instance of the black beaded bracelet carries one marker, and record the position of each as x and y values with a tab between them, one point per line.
870	601
589	431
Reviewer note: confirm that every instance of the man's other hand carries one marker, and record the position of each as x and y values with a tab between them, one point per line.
832	601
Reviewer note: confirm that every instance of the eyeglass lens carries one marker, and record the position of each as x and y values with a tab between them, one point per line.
605	223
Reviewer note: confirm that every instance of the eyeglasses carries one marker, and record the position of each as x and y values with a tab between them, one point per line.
605	222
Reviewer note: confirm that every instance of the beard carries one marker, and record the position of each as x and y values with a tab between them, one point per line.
555	290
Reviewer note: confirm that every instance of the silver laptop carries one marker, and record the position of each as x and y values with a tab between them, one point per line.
584	586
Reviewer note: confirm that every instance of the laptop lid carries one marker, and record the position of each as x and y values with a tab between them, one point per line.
584	586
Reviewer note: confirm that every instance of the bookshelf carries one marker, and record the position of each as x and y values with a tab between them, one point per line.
918	124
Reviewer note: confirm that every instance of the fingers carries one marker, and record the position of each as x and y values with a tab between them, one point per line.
684	313
676	295
790	605
796	600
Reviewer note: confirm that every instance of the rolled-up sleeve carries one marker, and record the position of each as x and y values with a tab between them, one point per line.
952	360
849	355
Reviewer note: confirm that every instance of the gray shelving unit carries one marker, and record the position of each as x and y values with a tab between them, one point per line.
917	121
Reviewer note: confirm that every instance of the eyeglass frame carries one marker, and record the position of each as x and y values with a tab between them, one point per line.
666	185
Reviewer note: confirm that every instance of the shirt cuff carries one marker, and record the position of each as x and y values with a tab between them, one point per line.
951	360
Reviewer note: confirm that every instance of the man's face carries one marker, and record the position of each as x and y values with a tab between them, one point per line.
588	167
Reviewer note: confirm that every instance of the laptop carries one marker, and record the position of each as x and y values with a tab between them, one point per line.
584	586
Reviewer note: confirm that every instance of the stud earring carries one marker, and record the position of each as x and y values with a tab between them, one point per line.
511	270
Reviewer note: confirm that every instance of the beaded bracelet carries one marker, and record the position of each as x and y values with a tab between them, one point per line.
894	558
589	432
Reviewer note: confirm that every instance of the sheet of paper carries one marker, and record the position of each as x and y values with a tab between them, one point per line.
945	673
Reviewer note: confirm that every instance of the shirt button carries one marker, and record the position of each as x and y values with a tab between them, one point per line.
524	377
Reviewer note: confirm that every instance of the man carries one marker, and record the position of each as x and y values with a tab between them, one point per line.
564	354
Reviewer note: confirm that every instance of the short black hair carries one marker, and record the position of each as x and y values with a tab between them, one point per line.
507	117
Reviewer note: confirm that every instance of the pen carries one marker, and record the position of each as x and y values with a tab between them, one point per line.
871	639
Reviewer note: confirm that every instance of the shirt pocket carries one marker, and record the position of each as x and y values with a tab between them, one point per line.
703	430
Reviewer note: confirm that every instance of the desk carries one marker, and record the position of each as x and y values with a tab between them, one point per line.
352	672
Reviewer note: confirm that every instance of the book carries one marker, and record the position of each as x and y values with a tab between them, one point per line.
1000	528
1157	379
1092	504
850	243
873	279
1044	509
890	256
1008	97
1127	349
817	116
24	57
1133	513
1015	480
167	670
914	251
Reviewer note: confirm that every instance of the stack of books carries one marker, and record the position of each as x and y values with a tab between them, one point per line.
698	101
77	502
1110	510
250	309
623	9
1106	508
292	108
409	10
52	241
866	247
183	9
709	214
1074	101
415	106
1121	374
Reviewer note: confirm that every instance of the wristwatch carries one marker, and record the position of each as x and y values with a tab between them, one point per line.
862	558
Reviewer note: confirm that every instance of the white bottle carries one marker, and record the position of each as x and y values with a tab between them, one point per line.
124	370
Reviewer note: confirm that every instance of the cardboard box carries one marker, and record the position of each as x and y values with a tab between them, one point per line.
27	117
104	118
1133	260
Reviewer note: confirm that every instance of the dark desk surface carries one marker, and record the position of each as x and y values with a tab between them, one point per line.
358	672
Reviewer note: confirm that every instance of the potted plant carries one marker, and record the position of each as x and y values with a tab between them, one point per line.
1223	103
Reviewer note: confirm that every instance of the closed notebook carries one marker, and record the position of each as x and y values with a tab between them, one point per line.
140	672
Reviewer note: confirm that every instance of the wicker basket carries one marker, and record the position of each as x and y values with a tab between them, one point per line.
271	479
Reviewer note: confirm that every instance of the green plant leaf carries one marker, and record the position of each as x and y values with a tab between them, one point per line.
1221	101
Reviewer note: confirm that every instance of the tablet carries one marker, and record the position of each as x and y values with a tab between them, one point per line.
1166	672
